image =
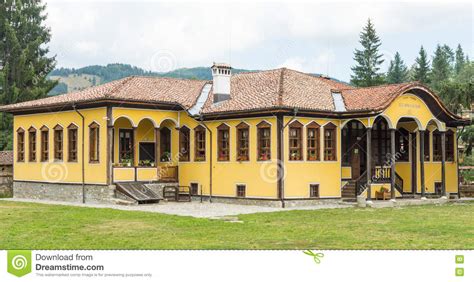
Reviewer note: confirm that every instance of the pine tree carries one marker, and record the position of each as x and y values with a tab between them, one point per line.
368	60
460	60
441	68
421	70
397	71
23	56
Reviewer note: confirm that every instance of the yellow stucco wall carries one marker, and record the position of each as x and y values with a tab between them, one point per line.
300	174
259	177
410	106
346	172
62	171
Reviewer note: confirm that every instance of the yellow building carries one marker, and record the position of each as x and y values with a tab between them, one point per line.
272	137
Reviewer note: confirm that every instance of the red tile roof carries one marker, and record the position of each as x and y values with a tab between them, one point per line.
140	89
252	91
372	98
277	88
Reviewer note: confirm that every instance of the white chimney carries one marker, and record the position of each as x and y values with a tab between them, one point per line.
221	74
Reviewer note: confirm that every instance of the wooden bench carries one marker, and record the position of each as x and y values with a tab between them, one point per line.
382	195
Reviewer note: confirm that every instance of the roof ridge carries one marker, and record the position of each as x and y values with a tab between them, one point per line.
120	85
381	85
280	86
170	78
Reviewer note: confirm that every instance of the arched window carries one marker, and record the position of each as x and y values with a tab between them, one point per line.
436	146
72	143
44	143
312	141
223	143
58	143
295	141
330	142
243	141
449	146
94	142
20	148
184	137
199	144
32	144
264	141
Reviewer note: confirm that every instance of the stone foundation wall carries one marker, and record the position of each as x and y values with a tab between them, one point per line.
466	190
6	191
101	194
275	203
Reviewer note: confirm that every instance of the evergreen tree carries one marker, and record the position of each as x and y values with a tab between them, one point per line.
368	60
397	71
23	56
421	70
441	67
460	60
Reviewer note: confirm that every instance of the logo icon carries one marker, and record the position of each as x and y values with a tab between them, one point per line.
459	272
19	262
316	256
459	259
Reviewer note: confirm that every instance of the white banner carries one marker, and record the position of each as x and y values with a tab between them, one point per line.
237	266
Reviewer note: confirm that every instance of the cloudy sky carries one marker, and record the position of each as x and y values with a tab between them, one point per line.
318	38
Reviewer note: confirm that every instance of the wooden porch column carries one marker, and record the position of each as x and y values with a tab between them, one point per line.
157	151
110	147
135	147
369	163
392	163
443	163
422	162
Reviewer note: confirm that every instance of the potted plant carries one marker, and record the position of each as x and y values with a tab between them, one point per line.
165	157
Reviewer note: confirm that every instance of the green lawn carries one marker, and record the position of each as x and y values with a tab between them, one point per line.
38	226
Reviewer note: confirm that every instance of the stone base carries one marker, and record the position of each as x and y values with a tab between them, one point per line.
6	191
96	194
274	203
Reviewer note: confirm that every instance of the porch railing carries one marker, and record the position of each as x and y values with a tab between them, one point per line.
381	174
168	173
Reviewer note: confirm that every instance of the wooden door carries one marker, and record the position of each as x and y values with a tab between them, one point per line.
355	162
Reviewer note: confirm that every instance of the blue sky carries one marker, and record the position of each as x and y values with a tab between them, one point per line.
310	37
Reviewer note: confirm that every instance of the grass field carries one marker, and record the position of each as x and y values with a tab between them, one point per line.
39	226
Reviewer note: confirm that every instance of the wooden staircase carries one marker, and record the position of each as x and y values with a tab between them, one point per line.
349	191
138	192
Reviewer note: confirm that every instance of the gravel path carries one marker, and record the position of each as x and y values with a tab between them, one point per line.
194	209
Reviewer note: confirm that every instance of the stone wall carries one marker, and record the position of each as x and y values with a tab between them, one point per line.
466	191
6	181
63	192
269	202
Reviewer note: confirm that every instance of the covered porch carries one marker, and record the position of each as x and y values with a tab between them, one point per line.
144	151
408	159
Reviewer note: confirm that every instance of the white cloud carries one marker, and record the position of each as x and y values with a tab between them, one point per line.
306	36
